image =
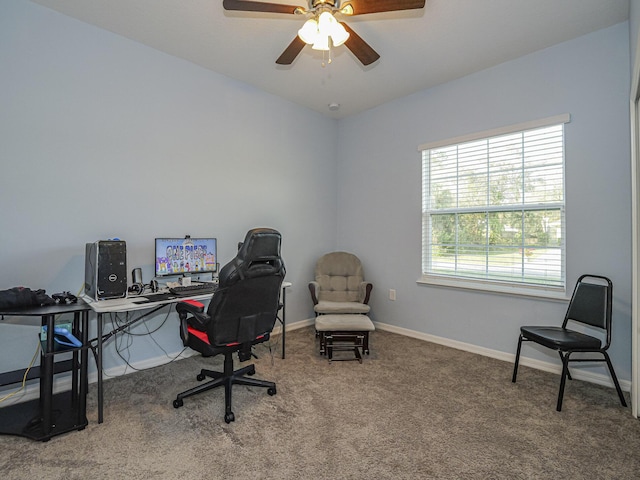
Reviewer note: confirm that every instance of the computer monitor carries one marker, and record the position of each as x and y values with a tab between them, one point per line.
177	256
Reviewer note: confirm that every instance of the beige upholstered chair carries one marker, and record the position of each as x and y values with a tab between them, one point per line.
339	286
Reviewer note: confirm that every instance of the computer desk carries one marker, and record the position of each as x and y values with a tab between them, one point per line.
135	303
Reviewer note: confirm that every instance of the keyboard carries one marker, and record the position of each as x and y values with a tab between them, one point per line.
113	302
194	289
155	297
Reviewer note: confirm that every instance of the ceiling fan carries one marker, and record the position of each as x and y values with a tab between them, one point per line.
322	29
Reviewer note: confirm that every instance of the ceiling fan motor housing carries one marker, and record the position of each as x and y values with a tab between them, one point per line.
331	3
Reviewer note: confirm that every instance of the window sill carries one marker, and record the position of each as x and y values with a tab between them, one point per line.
555	294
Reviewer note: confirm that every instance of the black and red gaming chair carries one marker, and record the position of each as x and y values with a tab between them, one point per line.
241	313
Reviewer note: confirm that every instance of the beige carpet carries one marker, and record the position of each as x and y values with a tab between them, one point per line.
412	410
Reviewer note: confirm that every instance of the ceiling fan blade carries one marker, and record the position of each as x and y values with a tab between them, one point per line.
251	6
360	7
291	52
359	47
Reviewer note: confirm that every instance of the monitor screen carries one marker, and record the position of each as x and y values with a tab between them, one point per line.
176	256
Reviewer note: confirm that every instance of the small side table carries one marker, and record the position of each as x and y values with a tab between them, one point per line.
50	415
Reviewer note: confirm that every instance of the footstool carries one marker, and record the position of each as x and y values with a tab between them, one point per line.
348	332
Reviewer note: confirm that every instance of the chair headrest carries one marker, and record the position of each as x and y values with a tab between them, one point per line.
260	244
258	255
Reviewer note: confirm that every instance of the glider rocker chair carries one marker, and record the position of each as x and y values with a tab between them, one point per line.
339	287
241	314
590	305
341	303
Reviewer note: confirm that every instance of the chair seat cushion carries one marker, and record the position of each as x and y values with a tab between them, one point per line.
325	306
344	323
560	339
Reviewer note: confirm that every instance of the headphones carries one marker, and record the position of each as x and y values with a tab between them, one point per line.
138	286
64	298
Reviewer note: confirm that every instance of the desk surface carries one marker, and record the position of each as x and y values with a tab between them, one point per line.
144	301
138	302
38	311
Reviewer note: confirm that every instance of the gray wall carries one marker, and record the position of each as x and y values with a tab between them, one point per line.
101	137
380	180
634	26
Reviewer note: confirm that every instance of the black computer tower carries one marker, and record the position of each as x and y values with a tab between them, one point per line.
105	269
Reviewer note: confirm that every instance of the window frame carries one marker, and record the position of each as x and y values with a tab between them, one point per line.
499	286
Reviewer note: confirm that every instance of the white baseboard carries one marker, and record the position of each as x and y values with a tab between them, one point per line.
296	325
62	383
599	379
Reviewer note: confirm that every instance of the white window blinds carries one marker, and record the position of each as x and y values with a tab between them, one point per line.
493	208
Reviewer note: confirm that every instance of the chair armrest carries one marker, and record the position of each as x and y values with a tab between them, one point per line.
199	318
314	288
189	306
365	292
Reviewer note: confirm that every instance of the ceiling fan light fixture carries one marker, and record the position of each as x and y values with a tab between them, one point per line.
309	32
338	34
317	32
322	42
325	20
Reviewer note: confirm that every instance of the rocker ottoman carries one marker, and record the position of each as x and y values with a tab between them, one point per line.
348	332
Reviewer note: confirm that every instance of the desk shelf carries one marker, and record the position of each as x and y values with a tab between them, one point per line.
25	419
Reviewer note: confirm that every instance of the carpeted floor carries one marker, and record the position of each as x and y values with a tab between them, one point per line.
412	410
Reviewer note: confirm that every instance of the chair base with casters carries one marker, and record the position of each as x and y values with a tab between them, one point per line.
226	379
591	304
199	341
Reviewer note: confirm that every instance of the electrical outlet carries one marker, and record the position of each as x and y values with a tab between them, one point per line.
392	294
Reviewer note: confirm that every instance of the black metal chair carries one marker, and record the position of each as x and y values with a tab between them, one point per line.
591	304
241	314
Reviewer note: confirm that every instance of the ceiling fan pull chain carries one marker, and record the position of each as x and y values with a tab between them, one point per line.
328	52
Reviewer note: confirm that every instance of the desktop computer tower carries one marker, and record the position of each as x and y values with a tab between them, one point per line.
105	269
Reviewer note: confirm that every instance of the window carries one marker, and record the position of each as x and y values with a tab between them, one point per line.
493	208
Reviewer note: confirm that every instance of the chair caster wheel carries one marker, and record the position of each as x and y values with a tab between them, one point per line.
177	403
229	417
272	391
201	377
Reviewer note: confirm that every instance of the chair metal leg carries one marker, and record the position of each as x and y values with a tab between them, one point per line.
203	387
563	379
615	379
515	365
568	372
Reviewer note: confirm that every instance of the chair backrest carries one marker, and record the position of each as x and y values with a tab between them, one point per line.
339	275
591	303
247	300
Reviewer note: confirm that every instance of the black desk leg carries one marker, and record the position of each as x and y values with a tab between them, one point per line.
99	367
284	321
84	368
46	376
75	365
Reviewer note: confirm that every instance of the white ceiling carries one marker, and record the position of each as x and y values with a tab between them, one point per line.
419	48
